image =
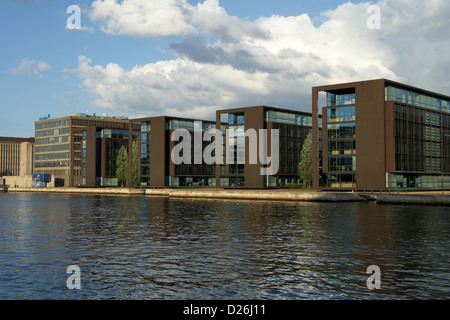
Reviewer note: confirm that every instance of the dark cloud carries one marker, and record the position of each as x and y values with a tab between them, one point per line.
197	48
238	56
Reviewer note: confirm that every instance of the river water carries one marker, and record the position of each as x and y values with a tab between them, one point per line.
144	248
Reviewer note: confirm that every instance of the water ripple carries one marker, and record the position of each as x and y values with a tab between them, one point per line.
156	248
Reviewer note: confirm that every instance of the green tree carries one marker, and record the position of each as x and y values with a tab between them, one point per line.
122	166
305	164
135	163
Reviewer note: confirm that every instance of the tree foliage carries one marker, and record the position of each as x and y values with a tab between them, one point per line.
305	164
135	163
122	166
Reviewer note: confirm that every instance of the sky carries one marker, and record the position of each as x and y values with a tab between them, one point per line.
143	58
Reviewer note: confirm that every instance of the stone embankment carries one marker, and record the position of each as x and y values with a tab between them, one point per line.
267	195
116	191
417	198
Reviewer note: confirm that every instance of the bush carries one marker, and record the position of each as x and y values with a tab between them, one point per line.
295	186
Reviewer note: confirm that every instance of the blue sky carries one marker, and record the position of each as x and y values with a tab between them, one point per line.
238	53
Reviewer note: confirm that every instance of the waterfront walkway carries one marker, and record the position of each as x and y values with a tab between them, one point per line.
265	194
414	198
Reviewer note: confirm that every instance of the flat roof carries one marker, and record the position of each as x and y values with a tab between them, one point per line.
87	117
343	86
171	118
242	109
16	140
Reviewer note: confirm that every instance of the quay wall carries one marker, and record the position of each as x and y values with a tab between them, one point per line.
125	191
268	195
414	199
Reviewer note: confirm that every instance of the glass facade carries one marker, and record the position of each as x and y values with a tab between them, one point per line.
51	164
52	156
53	124
58	147
412	181
236	145
110	141
341	120
146	131
291	142
293	128
192	175
53	132
114	140
184	175
83	160
52	140
288	118
336	99
416	98
422	149
174	124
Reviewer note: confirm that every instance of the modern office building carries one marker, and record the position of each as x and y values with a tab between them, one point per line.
16	156
157	168
293	128
79	150
100	147
382	135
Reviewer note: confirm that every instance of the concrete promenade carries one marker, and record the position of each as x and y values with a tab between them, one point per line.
268	195
413	198
211	193
115	191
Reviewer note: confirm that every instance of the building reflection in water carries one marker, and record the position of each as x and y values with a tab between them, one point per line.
150	247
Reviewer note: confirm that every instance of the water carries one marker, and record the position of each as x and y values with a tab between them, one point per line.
157	248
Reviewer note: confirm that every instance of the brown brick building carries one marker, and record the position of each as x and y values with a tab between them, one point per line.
382	135
80	150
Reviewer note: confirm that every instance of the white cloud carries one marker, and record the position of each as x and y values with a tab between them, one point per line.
31	67
273	60
143	18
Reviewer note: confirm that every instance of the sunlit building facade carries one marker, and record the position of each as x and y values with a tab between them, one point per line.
157	168
293	128
384	135
16	156
80	150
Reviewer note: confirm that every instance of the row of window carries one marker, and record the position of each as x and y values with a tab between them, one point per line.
60	147
342	131
416	98
53	140
54	132
420	146
340	99
51	164
341	180
288	118
52	156
431	118
53	124
343	147
341	114
99	123
114	133
413	180
175	124
341	164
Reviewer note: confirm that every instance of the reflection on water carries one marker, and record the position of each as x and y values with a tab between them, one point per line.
159	248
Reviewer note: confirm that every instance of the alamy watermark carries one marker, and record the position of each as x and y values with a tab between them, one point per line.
74	280
374	281
233	150
74	21
374	21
